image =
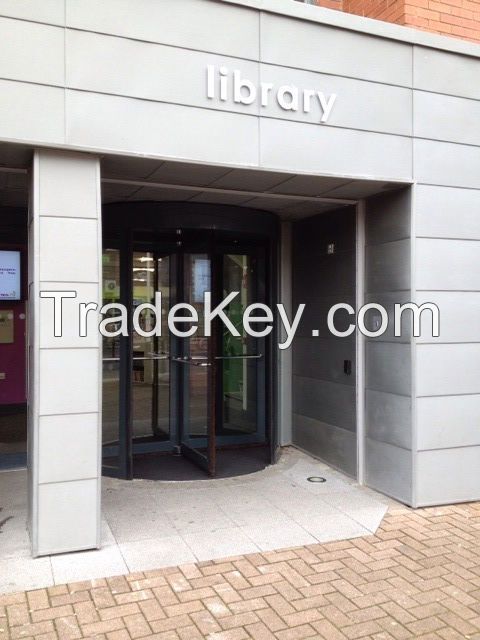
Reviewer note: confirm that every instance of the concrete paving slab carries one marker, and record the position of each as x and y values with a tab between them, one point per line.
220	543
156	553
24	572
87	565
281	535
152	524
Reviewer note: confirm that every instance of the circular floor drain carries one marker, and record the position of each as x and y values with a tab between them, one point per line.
316	479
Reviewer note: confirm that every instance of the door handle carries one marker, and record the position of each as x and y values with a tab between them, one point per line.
253	356
198	361
153	356
159	356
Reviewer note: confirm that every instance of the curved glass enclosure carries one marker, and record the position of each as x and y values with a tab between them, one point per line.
185	395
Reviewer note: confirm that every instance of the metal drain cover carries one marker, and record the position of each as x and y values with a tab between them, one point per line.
316	479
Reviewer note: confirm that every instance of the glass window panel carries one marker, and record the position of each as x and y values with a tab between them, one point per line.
111	350
150	376
197	282
239	393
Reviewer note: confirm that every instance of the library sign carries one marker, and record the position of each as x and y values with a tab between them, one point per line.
224	85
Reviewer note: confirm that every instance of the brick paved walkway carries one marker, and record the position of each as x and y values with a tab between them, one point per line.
418	577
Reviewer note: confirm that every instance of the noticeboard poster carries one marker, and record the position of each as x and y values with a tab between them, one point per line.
201	278
10	278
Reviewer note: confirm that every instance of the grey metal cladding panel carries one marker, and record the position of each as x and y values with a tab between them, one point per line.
316	273
336	446
331	50
389	470
31	52
459	316
295	146
388	217
440	117
388	266
447	369
312	246
20	117
445	72
324	358
359	104
447	264
325	401
388	367
312	235
107	64
48	11
446	163
330	273
388	418
316	312
447	212
448	475
195	24
387	300
448	421
159	129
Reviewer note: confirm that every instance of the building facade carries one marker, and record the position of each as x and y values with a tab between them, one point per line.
291	153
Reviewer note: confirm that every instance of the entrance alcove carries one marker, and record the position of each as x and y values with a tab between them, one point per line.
287	222
326	240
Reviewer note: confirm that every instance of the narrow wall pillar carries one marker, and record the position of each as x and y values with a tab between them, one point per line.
64	383
285	356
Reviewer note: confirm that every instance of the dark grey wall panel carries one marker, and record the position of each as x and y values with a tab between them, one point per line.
319	358
388	363
315	315
388	266
326	401
389	418
388	301
324	275
388	367
388	217
336	446
324	397
389	469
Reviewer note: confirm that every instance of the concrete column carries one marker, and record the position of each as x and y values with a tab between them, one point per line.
64	372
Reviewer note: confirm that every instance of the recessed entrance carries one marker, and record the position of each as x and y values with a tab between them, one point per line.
194	397
13	330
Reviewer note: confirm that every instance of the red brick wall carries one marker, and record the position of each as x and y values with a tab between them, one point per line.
457	18
331	4
388	10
